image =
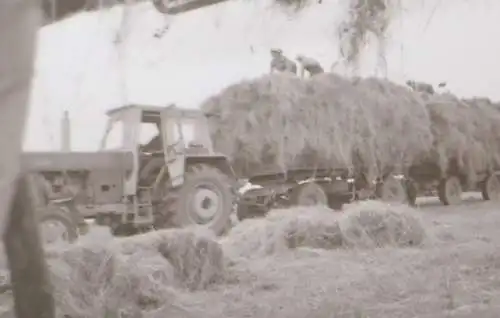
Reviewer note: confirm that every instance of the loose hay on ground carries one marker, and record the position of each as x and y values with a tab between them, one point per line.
133	276
362	225
437	280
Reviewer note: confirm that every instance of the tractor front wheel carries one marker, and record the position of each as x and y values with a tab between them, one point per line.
206	198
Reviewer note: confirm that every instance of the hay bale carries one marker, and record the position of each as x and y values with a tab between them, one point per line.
326	121
282	230
197	257
133	276
142	282
368	224
81	275
372	224
194	254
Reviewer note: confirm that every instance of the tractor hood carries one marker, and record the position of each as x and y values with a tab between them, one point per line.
60	161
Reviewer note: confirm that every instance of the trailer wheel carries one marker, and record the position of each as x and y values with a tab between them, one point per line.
392	190
206	198
103	219
121	230
450	191
411	192
308	194
56	225
490	188
335	202
246	211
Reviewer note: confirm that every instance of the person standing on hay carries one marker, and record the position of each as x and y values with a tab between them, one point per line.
312	66
421	87
281	64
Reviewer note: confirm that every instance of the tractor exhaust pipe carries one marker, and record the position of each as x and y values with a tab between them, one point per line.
65	132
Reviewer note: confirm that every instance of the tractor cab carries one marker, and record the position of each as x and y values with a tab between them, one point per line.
157	136
172	153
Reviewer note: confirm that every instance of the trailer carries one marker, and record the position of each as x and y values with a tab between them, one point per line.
428	178
273	188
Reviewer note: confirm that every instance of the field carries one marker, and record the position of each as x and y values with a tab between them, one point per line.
455	272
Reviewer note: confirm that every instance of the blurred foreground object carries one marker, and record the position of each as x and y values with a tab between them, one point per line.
19	22
170	8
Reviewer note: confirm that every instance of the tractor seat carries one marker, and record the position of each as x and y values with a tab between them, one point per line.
148	165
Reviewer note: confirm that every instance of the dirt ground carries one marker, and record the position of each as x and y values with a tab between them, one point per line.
455	274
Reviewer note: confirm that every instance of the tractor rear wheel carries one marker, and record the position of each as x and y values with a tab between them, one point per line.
206	199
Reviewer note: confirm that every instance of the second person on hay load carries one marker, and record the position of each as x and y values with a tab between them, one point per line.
280	63
309	65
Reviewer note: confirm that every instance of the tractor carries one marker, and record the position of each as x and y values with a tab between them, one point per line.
173	183
146	174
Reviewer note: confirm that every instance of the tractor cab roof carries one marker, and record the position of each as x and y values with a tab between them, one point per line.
144	108
150	113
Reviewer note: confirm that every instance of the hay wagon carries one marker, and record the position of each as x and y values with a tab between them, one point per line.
429	178
273	187
465	151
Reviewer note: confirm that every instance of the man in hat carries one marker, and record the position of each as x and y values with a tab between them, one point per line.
280	63
310	65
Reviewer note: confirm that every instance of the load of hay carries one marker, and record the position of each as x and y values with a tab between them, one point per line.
282	121
368	224
466	134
